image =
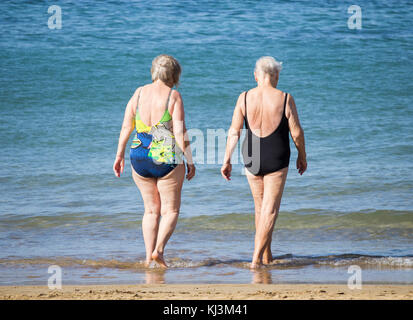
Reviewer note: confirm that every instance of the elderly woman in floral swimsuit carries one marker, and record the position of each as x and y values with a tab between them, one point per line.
157	150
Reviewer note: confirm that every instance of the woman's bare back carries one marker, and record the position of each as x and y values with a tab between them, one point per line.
264	110
152	102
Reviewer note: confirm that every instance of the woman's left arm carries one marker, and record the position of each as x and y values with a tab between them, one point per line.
297	134
181	134
127	127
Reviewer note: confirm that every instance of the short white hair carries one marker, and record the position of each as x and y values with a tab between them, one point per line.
268	65
167	69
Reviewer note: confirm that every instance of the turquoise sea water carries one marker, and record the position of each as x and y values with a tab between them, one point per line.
62	98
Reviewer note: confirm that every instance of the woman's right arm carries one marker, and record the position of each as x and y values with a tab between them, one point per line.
127	127
234	134
297	134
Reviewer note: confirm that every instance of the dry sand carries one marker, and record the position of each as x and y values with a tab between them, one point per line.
210	291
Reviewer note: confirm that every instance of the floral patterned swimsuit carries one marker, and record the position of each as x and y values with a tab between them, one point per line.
154	152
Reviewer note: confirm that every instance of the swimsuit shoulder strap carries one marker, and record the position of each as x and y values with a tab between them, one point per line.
245	103
166	115
245	115
167	101
285	103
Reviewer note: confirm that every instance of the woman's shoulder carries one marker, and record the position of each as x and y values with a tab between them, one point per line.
175	101
247	91
144	86
278	91
240	98
138	90
243	94
280	94
175	96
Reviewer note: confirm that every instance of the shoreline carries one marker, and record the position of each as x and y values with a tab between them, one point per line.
210	291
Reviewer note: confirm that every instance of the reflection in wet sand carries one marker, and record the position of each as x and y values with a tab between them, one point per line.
261	275
155	276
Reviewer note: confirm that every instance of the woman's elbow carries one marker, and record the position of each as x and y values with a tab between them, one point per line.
234	132
127	128
297	134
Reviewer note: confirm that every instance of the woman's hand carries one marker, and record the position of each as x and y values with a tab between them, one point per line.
190	171
118	165
301	164
226	171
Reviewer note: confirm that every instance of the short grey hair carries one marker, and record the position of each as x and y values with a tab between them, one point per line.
167	69
268	65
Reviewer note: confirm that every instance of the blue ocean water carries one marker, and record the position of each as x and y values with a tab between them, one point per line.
62	98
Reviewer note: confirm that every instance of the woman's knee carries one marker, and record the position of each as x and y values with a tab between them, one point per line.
265	210
170	212
154	209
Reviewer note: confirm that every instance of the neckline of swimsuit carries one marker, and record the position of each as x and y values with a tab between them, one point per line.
163	115
279	125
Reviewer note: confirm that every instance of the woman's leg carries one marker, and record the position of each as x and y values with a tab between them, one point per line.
152	203
169	188
257	189
273	190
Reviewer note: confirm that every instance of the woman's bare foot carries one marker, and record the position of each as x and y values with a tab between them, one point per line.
267	256
158	257
255	265
148	263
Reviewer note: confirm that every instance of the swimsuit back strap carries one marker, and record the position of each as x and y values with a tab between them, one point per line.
167	101
285	103
245	102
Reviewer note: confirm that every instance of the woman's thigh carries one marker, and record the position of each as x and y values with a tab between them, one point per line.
257	188
149	192
170	187
273	189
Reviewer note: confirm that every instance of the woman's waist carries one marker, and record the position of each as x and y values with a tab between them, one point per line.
145	139
161	148
276	142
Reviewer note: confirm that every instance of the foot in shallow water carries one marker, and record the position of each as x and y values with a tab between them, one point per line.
158	257
255	265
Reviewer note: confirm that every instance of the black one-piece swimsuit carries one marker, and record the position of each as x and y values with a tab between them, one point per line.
263	155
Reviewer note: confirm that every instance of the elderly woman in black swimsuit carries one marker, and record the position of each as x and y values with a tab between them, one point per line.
269	115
